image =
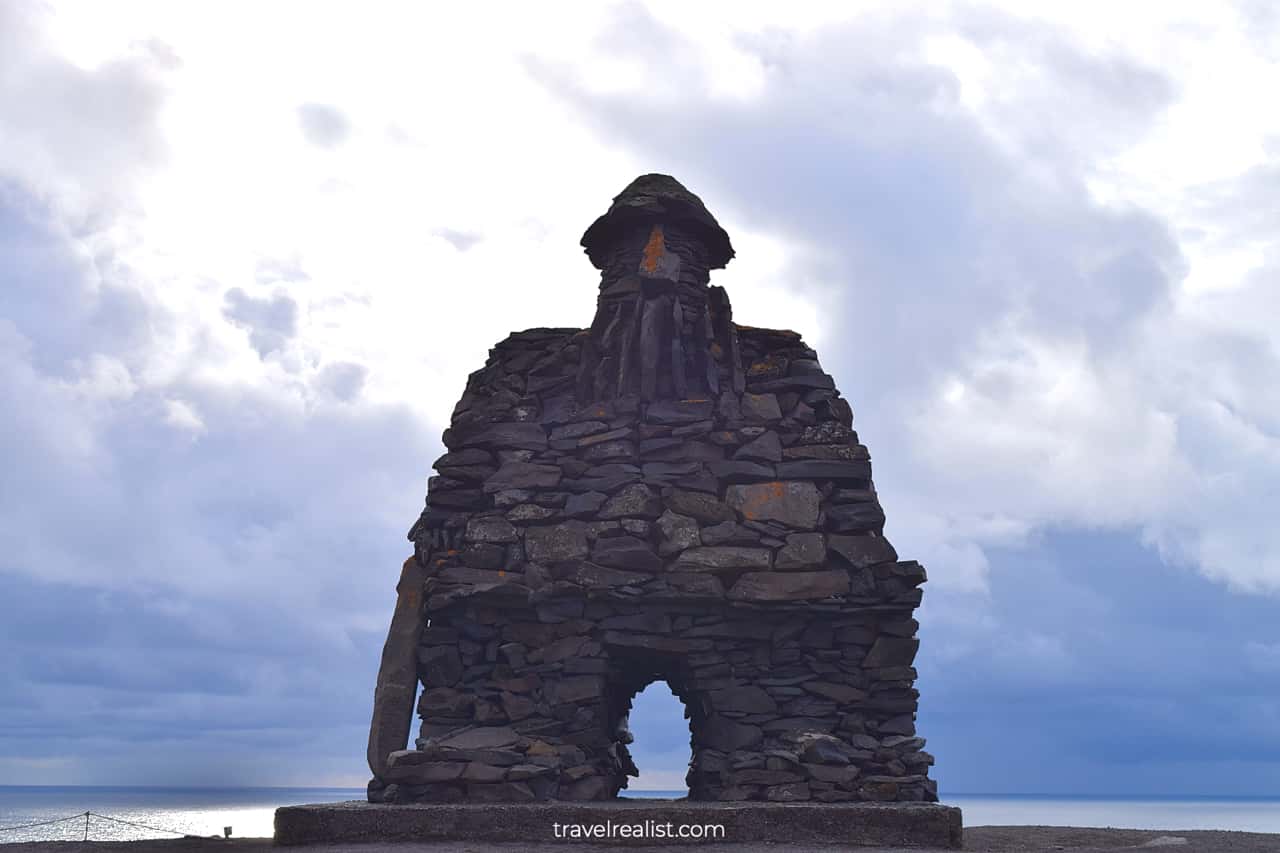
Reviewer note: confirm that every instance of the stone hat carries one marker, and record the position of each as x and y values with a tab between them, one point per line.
656	198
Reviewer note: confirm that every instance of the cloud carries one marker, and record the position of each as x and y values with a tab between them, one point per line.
179	552
1098	662
342	379
460	240
271	321
322	125
272	270
1061	423
1018	351
78	136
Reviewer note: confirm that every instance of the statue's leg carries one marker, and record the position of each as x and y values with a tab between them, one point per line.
398	675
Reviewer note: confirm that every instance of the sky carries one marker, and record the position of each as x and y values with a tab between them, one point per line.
249	253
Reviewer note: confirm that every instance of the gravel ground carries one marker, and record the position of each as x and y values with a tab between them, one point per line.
981	839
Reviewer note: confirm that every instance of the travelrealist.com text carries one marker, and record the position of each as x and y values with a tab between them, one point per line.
639	829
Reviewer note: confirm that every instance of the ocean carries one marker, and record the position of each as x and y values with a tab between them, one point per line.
168	812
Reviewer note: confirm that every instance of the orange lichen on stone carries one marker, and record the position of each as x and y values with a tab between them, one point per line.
653	250
770	365
761	496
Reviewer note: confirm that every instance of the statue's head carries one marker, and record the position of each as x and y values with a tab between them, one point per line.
655	215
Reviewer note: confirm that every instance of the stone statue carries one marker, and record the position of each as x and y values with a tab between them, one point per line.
666	495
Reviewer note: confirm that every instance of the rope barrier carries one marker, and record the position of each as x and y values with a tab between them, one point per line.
43	822
139	825
86	815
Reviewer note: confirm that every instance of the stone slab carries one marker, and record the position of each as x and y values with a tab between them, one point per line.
844	824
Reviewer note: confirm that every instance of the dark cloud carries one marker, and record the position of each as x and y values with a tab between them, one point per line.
1099	670
271	321
67	299
342	379
220	595
323	125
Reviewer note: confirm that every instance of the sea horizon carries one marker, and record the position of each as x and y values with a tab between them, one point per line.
154	811
676	794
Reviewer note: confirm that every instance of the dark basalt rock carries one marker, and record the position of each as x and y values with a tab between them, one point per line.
791	586
802	550
679	411
729	533
656	199
635	501
695	584
566	541
747	699
844	452
742	471
760	408
626	552
663	495
822	469
726	735
892	651
766	448
703	507
585	504
678	533
855	518
792	503
793	383
513	436
712	558
491	529
862	551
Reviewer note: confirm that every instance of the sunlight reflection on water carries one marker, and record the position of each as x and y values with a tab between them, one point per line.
251	812
160	813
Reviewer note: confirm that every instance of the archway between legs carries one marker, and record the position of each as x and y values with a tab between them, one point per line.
634	674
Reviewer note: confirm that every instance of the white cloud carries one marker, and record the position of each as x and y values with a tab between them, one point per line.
182	415
79	137
323	125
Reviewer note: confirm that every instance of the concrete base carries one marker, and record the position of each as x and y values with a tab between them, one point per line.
635	822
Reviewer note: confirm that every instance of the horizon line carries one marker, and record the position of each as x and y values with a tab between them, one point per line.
942	795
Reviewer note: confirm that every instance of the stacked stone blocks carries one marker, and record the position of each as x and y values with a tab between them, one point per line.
667	495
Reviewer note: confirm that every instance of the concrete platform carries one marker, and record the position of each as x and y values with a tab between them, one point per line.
627	822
